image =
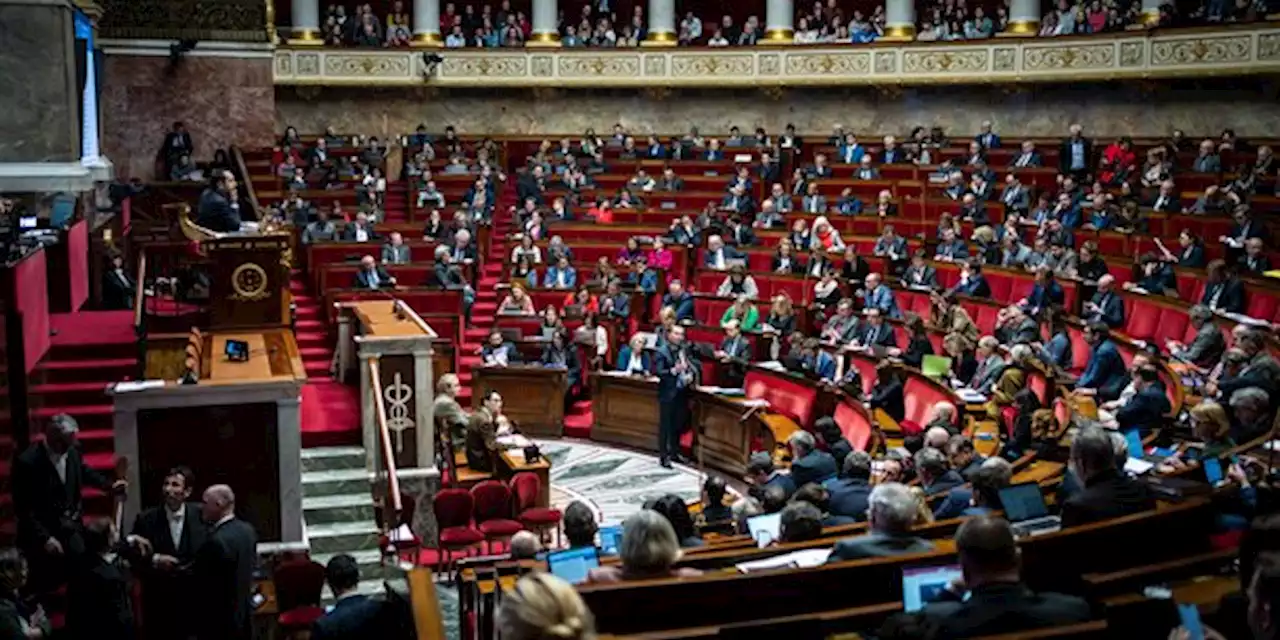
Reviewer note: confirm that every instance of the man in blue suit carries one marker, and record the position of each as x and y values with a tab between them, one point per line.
354	616
1146	409
850	494
1105	306
891	513
972	282
808	464
1045	294
814	359
372	276
677	371
217	209
762	476
680	300
987	138
1106	374
880	297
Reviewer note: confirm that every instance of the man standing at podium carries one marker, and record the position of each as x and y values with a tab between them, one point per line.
677	373
218	209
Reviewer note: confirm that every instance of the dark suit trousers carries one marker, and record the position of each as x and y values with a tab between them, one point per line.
48	572
673	416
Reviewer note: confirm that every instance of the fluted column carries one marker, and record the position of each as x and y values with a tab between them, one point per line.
662	24
426	23
1151	12
899	20
1024	18
546	31
306	23
779	21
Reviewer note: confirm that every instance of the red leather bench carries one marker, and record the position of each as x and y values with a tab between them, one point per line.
342	276
855	424
787	397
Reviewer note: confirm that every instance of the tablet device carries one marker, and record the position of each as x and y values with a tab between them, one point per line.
237	350
572	565
610	537
765	528
921	585
1212	471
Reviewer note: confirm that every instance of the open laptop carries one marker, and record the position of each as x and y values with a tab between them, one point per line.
921	585
572	565
765	528
1024	507
610	537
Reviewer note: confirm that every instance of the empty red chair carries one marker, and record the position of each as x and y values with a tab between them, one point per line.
1007	417
452	508
1142	320
854	424
525	488
299	584
493	511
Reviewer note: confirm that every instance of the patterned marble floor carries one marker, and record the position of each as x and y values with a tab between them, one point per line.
614	482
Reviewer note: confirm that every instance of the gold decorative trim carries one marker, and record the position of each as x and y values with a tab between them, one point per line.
1132	55
305	38
272	37
1023	27
779	36
426	40
1151	17
660	39
544	40
899	33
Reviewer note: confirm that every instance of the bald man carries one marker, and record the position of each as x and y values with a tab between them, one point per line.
223	569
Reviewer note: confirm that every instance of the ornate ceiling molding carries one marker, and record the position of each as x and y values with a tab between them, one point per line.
1254	49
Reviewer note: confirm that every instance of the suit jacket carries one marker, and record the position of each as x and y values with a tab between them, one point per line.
376	280
956	250
1016	198
354	617
222	576
848	497
815	466
683	305
671	386
1030	159
878	545
118	289
215	213
814	204
738	348
1227	295
889	397
624	360
953	504
944	482
1211	163
1043	297
987	374
998	609
621	306
897	246
482	433
1254	265
98	603
1144	411
877	336
925	276
730	254
977	287
824	365
1105	372
1166	204
396	255
882	298
45	506
1110	309
1064	155
842	329
1108	495
1207	347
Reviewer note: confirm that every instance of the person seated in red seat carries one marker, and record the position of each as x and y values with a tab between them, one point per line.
738	283
892	512
1045	294
679	300
808	463
875	332
719	256
354	615
648	549
1254	261
1223	291
887	394
934	472
1106	373
1206	348
372	276
1108	493
878	295
919	274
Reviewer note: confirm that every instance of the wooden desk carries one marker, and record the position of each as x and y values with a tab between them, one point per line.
626	411
250	278
532	396
239	426
512	461
392	333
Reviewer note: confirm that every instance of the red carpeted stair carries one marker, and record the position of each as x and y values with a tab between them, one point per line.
330	413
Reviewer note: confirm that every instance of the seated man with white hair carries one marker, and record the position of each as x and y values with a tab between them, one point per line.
935	472
944	417
808	464
937	437
719	256
463	251
891	514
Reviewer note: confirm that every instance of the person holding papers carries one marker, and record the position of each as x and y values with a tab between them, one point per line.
499	352
677	371
735	353
486	424
632	359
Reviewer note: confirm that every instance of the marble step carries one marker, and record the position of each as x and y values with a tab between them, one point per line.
370	562
342	537
335	482
332	458
342	508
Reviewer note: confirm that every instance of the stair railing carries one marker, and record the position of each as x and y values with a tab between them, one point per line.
386	461
140	314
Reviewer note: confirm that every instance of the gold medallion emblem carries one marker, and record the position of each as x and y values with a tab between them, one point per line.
249	283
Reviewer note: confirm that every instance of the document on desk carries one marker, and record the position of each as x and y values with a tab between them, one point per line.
722	391
1137	466
970	396
803	559
514	440
137	385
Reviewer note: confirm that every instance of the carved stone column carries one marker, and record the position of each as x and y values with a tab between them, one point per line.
662	24
546	31
306	23
426	23
1024	18
779	21
900	21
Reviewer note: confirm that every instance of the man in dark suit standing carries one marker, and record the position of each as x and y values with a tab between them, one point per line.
176	532
177	143
47	480
998	601
354	616
677	371
1076	154
222	572
808	464
218	209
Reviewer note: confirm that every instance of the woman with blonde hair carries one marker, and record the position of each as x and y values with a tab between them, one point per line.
947	316
1212	426
648	549
544	607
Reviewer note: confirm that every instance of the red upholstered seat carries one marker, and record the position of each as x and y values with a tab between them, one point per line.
854	424
460	536
1261	304
1142	320
1019	288
300	618
452	508
1001	286
1061	411
299	583
1039	385
788	398
919	398
1007	416
1190	286
493	511
1070	293
986	319
1173	326
525	489
1080	350
867	371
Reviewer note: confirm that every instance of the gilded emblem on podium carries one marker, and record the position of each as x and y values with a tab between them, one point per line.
249	283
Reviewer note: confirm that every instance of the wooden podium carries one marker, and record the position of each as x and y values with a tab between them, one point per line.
249	280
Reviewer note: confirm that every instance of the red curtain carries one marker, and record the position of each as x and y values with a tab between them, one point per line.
78	263
31	296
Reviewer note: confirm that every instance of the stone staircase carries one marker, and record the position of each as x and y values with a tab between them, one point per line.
338	511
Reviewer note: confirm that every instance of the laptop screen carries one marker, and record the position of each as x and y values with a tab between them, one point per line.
572	565
921	585
765	528
1023	502
609	539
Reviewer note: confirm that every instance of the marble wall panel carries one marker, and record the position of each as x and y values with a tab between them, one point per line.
38	92
1105	110
223	101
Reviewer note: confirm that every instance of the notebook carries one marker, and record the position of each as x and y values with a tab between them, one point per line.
765	528
572	565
